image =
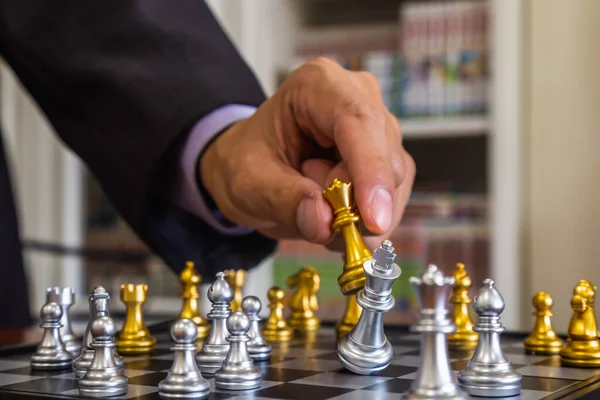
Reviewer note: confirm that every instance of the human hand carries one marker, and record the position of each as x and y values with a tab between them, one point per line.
268	172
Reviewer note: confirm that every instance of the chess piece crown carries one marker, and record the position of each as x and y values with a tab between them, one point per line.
134	338
304	302
190	279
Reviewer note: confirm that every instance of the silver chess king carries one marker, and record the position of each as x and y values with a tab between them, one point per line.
434	378
365	349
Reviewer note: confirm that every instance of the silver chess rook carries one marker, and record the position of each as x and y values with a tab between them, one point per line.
434	378
184	380
489	373
258	348
365	349
216	346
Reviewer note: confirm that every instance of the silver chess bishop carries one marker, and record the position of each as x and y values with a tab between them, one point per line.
216	346
489	373
434	378
365	349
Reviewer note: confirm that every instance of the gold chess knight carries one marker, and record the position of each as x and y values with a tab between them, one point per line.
304	302
236	280
543	338
352	280
134	338
190	279
583	347
464	338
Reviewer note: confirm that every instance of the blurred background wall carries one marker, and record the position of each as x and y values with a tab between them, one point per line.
497	101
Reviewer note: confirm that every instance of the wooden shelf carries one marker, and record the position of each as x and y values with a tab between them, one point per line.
444	127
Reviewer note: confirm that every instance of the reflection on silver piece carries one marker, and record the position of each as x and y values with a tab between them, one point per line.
258	348
365	349
215	349
104	378
184	380
51	352
98	302
434	379
489	373
238	371
65	297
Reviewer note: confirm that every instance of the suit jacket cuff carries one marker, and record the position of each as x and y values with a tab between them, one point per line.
189	193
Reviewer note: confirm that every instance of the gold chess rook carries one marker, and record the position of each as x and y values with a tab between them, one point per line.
190	279
543	338
134	338
304	302
464	338
345	220
583	347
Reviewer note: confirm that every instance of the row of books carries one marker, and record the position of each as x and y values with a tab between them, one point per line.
438	67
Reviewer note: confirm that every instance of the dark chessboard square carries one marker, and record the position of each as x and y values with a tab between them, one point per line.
552	361
321	345
397	385
407	343
275	374
44	385
33	372
327	356
416	352
294	390
545	384
148	379
149	364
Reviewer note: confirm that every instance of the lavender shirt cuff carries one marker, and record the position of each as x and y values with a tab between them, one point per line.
187	193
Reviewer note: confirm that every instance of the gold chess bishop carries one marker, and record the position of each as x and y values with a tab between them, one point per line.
134	338
276	328
236	280
190	279
464	338
304	301
543	338
583	347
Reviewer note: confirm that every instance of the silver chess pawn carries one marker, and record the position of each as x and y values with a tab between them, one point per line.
65	298
258	348
238	371
184	380
365	349
103	378
434	378
98	302
489	373
216	346
51	352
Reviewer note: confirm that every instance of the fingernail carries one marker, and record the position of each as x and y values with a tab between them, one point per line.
381	208
306	218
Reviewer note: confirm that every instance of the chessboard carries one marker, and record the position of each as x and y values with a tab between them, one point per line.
306	368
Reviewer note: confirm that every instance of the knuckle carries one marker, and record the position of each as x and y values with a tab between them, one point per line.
369	78
364	111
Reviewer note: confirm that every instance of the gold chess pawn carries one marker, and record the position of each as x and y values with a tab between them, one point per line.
543	339
190	279
346	219
276	328
350	318
236	280
463	338
134	338
304	302
583	347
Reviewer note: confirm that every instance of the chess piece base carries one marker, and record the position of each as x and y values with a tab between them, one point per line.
457	395
183	387
103	385
496	380
210	358
302	324
462	340
238	380
62	360
259	352
277	335
364	360
136	346
548	346
351	281
73	347
579	353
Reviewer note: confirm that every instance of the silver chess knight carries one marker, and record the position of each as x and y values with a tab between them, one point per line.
51	352
434	378
98	302
216	346
489	373
365	349
258	348
65	297
184	380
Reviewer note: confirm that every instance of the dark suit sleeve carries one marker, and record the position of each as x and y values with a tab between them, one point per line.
123	82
